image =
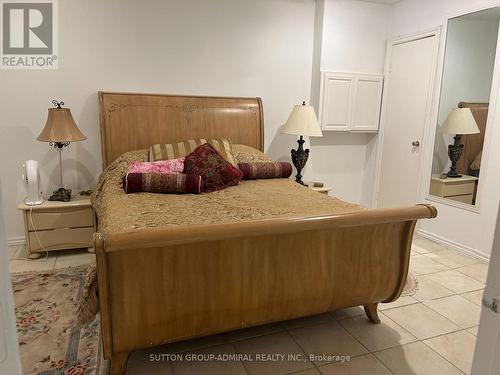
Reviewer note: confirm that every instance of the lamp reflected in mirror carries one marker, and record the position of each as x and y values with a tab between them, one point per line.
460	121
469	60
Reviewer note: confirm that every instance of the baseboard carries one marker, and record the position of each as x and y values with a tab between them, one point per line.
454	245
13	241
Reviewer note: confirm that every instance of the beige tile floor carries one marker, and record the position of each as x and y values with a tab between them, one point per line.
432	332
19	262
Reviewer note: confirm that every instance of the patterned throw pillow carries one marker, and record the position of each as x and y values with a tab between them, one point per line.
176	150
174	166
254	171
216	172
247	154
162	183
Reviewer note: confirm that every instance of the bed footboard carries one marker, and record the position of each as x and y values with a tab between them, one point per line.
169	284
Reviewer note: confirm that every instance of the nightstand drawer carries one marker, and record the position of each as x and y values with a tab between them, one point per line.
63	218
62	239
462	198
446	188
459	189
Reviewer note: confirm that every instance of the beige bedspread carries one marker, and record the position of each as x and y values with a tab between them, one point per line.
250	200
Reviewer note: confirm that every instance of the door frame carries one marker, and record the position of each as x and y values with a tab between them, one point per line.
434	32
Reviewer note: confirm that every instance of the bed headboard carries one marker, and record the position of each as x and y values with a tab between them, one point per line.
473	143
136	121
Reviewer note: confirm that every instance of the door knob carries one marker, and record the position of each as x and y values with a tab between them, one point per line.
415	143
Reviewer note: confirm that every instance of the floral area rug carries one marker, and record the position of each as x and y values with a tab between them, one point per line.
50	343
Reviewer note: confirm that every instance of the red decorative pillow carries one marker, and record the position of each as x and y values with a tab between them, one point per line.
162	183
256	170
215	171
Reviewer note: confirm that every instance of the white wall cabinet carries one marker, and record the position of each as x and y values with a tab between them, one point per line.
350	102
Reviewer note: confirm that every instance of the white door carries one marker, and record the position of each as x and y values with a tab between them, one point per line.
409	85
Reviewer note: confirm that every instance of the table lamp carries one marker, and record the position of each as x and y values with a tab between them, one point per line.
460	121
60	130
302	121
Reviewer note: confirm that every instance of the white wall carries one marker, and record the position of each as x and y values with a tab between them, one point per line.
217	47
319	20
410	16
354	38
468	230
467	74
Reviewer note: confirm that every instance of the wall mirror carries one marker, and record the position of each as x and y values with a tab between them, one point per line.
469	58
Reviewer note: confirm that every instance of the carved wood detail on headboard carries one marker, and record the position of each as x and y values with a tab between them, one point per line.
473	143
136	121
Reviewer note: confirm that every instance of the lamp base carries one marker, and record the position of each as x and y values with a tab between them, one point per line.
299	159
61	195
455	151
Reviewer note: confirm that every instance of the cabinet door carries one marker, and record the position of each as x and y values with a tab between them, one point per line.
336	103
367	103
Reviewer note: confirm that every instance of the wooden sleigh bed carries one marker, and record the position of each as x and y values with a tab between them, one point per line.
160	285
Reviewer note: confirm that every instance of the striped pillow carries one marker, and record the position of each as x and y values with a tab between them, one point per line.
257	171
171	151
162	183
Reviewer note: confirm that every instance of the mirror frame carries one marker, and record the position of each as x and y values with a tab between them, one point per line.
494	97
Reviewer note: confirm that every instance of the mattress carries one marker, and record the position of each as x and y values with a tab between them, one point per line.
250	200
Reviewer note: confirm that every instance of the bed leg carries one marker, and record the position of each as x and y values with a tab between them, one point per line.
371	312
118	363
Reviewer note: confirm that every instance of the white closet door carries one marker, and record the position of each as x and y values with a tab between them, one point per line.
337	102
409	86
368	97
350	102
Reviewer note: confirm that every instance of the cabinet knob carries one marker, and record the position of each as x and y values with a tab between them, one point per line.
415	144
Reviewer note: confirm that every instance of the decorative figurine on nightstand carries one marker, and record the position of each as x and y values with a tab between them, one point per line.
460	121
60	130
302	121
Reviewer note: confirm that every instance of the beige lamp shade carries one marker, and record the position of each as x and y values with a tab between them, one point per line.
460	121
302	121
60	127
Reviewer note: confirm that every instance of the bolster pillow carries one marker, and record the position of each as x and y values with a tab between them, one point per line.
162	183
256	170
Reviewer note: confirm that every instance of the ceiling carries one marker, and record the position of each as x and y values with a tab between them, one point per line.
390	2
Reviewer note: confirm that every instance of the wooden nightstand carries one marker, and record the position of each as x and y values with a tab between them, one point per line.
459	189
54	226
322	190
